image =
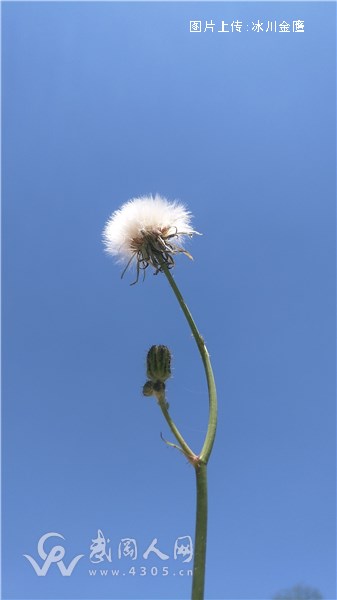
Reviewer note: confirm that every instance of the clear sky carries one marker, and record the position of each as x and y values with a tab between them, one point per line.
106	101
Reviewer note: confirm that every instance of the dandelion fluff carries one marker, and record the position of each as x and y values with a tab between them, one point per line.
148	229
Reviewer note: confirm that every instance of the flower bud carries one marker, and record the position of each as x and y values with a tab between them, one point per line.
148	388
158	363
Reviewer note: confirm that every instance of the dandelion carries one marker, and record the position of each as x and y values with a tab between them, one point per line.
150	230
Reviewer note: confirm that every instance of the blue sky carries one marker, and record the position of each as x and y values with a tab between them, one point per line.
106	101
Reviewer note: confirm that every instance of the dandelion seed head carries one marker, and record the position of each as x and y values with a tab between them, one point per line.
147	213
148	229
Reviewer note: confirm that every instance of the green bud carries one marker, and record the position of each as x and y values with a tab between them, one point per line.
158	363
148	388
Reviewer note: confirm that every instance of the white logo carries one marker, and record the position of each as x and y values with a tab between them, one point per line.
183	546
55	556
98	548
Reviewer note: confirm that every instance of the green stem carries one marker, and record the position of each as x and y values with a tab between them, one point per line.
200	539
213	407
200	464
162	403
